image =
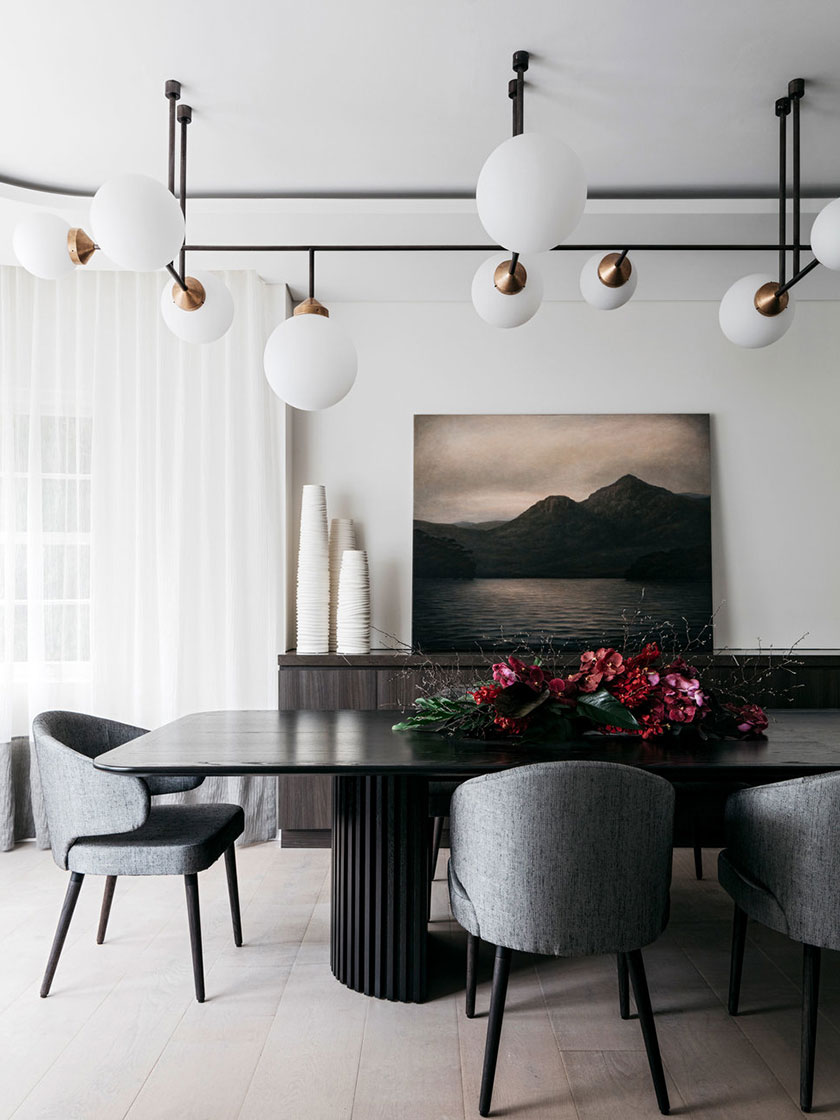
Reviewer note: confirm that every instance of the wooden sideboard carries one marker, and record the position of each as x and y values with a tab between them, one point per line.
389	679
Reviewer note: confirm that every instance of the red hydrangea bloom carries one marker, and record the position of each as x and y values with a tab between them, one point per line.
511	726
486	694
647	656
634	687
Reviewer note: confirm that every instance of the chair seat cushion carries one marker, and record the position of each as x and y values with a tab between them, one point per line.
163	784
752	897
175	840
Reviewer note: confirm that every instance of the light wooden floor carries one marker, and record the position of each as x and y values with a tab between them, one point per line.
278	1037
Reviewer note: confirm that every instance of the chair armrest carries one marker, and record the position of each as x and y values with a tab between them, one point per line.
82	801
784	836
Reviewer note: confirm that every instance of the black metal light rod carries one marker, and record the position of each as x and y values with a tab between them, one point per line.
796	91
800	275
184	118
311	273
516	90
514	261
565	248
173	94
620	258
173	272
782	110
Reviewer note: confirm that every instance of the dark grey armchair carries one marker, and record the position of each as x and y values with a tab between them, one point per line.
567	859
780	868
105	824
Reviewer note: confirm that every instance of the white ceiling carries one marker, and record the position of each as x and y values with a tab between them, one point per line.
408	96
356	104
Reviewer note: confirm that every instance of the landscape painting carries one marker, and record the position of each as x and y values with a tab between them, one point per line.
560	531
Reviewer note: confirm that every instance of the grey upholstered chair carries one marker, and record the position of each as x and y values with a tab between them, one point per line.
567	859
105	824
780	868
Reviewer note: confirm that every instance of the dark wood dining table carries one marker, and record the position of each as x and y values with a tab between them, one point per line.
380	845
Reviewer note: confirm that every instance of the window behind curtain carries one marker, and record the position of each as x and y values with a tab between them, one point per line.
51	540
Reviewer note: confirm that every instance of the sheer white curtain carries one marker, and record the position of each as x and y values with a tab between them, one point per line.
171	489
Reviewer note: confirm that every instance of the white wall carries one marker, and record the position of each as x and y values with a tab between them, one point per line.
775	438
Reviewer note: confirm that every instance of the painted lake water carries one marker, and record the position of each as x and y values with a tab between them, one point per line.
567	613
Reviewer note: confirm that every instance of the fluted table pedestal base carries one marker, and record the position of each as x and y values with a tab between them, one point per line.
380	885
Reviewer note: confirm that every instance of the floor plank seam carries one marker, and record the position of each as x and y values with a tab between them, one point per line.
359	1063
208	973
556	1041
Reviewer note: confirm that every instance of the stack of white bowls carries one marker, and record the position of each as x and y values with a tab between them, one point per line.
353	616
313	576
342	537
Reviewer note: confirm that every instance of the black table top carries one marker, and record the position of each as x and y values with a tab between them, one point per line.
803	741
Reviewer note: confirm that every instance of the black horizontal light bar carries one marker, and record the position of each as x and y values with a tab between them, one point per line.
567	248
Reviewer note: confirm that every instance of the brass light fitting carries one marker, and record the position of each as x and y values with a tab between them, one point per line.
768	301
615	270
192	298
507	282
311	306
80	247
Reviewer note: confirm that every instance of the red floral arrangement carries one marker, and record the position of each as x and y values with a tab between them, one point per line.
637	695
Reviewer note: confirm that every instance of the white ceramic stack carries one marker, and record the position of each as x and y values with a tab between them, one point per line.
313	576
342	537
353	616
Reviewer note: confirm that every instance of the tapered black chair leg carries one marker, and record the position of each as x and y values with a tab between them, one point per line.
472	970
698	861
437	836
105	912
73	888
636	967
233	894
736	962
811	958
501	971
194	916
623	986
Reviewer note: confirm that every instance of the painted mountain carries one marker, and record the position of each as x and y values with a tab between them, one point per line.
569	572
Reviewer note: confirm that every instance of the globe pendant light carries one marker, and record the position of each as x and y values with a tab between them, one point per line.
758	309
531	190
608	282
752	314
825	235
202	313
310	363
505	293
137	222
47	247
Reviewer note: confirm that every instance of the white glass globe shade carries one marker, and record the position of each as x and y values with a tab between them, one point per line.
206	323
310	362
742	323
137	222
531	192
40	244
825	235
601	295
498	309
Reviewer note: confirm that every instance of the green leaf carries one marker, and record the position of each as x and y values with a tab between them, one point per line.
602	707
518	700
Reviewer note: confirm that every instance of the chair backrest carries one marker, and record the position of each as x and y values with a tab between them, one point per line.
566	858
786	836
79	800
